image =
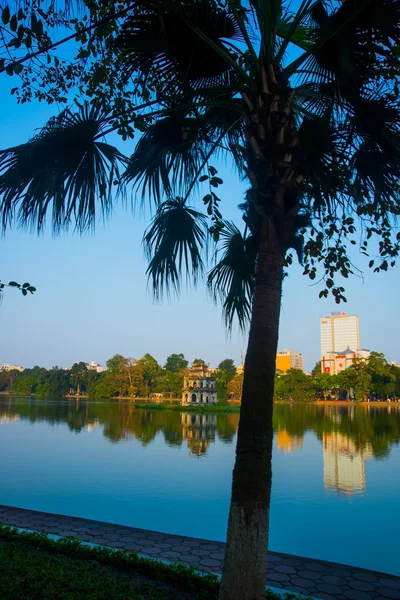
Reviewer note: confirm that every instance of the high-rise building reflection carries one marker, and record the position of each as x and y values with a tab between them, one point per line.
344	463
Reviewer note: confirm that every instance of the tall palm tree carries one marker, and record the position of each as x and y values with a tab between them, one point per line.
305	104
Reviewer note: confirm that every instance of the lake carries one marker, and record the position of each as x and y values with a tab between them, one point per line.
336	472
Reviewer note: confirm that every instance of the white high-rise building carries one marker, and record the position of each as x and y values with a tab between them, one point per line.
339	332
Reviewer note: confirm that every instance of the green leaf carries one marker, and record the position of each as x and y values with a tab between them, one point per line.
24	292
14	284
14	23
25	285
203	178
18	68
5	15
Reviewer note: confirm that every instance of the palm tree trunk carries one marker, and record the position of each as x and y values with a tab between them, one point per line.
245	564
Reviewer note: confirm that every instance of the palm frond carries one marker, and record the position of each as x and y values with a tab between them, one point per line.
376	176
292	29
378	119
173	244
64	167
164	41
341	50
232	279
321	163
267	14
170	155
166	157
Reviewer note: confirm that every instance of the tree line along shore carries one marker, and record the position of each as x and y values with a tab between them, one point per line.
145	380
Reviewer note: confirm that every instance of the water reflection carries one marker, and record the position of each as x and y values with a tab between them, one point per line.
288	443
348	434
171	471
344	464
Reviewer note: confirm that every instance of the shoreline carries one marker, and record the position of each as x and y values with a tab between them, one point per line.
145	404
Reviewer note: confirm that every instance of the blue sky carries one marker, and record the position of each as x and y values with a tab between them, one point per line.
93	301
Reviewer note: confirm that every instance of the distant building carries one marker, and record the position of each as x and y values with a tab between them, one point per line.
340	342
338	332
198	386
213	371
7	367
336	362
288	359
94	366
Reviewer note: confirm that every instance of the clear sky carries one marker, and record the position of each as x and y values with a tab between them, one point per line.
92	299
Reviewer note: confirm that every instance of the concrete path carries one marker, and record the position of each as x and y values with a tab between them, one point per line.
321	579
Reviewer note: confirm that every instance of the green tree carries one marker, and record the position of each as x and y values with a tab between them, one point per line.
305	104
356	379
295	386
346	380
382	376
317	369
235	387
227	366
226	372
324	383
78	377
151	371
199	361
6	380
171	382
124	377
176	362
54	383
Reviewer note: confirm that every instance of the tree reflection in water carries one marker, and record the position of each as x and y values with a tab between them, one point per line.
354	431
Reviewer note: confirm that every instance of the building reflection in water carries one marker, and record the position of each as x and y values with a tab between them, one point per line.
8	418
198	431
288	443
344	464
93	424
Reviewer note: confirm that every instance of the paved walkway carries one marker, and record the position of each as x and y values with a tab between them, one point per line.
321	579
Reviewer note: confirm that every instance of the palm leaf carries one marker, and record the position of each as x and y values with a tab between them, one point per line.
376	177
64	167
232	279
378	119
165	158
174	150
291	29
321	163
173	244
158	40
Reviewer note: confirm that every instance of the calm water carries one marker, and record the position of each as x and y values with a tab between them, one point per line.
336	485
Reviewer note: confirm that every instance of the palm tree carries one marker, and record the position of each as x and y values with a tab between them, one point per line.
306	106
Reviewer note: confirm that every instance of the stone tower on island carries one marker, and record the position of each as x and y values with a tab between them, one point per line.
198	385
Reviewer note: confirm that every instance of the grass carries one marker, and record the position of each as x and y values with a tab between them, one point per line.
219	408
34	566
